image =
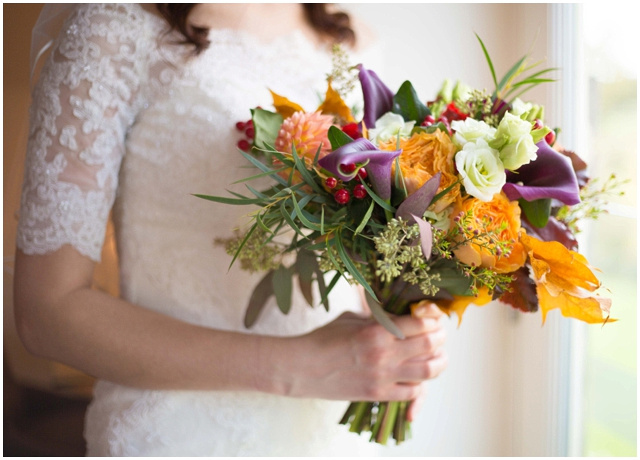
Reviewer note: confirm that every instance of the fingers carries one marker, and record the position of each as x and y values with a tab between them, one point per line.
418	371
421	346
416	404
427	309
411	326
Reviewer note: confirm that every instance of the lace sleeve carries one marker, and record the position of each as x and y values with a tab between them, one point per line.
86	99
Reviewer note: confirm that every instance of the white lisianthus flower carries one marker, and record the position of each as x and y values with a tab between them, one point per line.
519	107
481	170
469	130
517	147
440	220
388	126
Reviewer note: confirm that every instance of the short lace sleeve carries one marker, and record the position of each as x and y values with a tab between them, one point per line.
87	97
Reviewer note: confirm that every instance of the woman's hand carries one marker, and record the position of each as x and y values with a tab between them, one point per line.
354	358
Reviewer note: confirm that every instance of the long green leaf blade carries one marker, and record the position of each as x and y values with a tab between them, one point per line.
486	55
353	270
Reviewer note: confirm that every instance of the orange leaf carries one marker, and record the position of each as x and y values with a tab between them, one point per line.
588	309
284	106
554	264
334	105
460	303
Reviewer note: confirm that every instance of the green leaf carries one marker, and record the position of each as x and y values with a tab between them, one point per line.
285	213
514	70
365	219
407	103
244	241
262	292
377	199
382	317
304	172
486	55
282	287
266	126
304	219
452	279
227	200
338	138
353	270
537	211
263	174
306	265
324	289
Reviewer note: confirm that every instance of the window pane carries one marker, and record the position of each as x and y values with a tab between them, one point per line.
610	419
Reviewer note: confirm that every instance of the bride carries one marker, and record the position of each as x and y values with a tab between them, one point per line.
134	111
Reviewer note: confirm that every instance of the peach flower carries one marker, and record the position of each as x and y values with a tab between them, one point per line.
424	155
501	218
307	132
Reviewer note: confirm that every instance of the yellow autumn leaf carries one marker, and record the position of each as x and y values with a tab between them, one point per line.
565	281
284	106
458	304
588	309
555	264
334	105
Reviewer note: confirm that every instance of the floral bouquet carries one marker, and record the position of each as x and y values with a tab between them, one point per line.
455	201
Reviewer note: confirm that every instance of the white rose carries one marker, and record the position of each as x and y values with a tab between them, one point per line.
516	144
388	127
469	130
519	107
481	170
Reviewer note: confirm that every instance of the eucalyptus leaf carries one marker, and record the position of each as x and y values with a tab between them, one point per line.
306	266
262	292
282	287
382	317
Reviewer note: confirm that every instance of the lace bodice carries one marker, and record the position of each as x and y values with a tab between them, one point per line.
124	118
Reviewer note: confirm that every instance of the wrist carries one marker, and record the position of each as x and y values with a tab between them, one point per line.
276	365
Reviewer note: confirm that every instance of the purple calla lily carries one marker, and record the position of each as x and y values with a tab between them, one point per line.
549	176
378	98
377	164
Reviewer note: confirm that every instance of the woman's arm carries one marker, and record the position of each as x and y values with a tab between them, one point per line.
60	317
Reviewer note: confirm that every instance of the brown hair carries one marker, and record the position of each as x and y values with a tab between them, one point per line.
336	25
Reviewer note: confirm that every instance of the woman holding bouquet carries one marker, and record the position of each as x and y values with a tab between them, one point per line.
135	110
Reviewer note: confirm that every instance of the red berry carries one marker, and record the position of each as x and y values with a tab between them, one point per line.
362	174
538	124
550	138
359	191
331	182
429	119
348	168
352	130
249	123
244	144
342	196
250	132
241	125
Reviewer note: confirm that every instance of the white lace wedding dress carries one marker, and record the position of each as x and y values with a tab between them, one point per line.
122	113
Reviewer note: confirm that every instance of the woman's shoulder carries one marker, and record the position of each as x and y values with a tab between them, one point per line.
114	21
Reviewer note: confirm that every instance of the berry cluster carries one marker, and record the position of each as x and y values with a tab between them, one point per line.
246	127
550	138
342	194
430	120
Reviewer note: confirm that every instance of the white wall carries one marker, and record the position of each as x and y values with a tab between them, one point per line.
490	401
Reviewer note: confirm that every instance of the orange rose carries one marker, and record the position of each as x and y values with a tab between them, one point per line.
501	219
424	155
